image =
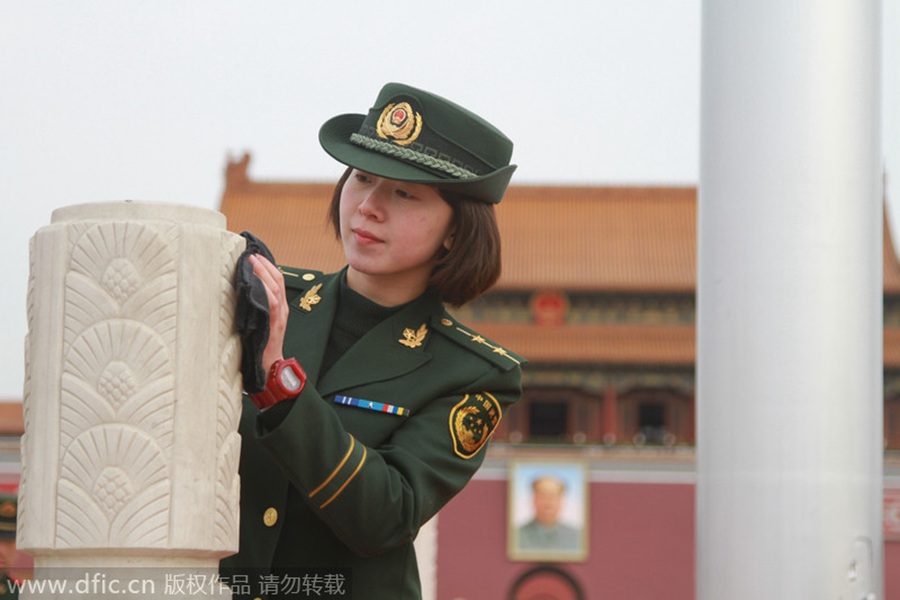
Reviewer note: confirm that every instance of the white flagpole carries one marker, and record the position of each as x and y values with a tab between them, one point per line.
789	373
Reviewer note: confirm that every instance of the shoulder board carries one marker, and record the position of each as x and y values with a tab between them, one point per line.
476	343
299	278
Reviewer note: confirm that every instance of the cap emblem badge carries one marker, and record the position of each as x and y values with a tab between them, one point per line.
399	123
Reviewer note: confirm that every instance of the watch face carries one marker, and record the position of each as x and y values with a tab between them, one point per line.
289	379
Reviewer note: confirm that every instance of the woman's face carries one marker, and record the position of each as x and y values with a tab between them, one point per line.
392	231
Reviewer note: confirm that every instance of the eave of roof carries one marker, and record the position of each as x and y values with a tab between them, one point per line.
671	345
625	239
591	239
603	239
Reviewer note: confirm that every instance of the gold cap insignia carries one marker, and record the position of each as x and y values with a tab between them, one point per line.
399	123
311	298
472	422
412	338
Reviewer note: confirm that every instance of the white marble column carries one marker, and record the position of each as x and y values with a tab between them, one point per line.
132	393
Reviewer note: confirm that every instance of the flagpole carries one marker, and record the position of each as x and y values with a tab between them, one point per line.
789	333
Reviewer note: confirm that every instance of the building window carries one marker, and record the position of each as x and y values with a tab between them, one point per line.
651	423
548	421
554	415
656	418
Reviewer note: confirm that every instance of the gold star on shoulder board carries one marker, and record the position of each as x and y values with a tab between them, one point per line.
500	351
495	349
414	339
311	298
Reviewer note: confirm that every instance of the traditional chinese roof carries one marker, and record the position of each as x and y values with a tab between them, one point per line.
599	239
11	420
671	345
568	238
289	217
585	239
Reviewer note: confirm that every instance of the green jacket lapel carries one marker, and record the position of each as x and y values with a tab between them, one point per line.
307	331
393	348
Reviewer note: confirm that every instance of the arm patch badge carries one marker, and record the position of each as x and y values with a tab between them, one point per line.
472	422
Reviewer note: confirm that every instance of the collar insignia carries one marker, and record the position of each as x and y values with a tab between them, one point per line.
311	298
414	339
399	123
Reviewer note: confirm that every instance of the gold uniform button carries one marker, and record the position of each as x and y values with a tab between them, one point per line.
270	517
308	277
446	322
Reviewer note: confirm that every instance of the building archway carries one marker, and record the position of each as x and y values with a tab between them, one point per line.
545	582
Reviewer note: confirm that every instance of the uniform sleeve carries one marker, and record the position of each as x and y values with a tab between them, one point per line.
375	499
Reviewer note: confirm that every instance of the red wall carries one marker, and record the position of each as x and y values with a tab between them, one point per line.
892	571
641	543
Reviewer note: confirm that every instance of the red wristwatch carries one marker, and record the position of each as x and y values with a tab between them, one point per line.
286	380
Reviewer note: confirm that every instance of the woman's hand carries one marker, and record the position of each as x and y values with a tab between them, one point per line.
273	281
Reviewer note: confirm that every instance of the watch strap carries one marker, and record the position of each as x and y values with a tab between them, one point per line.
274	391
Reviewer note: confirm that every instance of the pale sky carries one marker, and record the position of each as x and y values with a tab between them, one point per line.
109	100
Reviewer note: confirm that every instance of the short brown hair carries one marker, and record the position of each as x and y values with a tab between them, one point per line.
472	265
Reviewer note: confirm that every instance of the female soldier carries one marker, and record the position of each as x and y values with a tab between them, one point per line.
379	413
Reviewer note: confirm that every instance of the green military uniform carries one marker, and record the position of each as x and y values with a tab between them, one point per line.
8	511
6	589
372	448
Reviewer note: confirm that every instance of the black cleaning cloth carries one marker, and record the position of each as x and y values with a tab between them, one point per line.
252	315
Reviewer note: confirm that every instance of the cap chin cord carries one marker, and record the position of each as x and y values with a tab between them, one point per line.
412	156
